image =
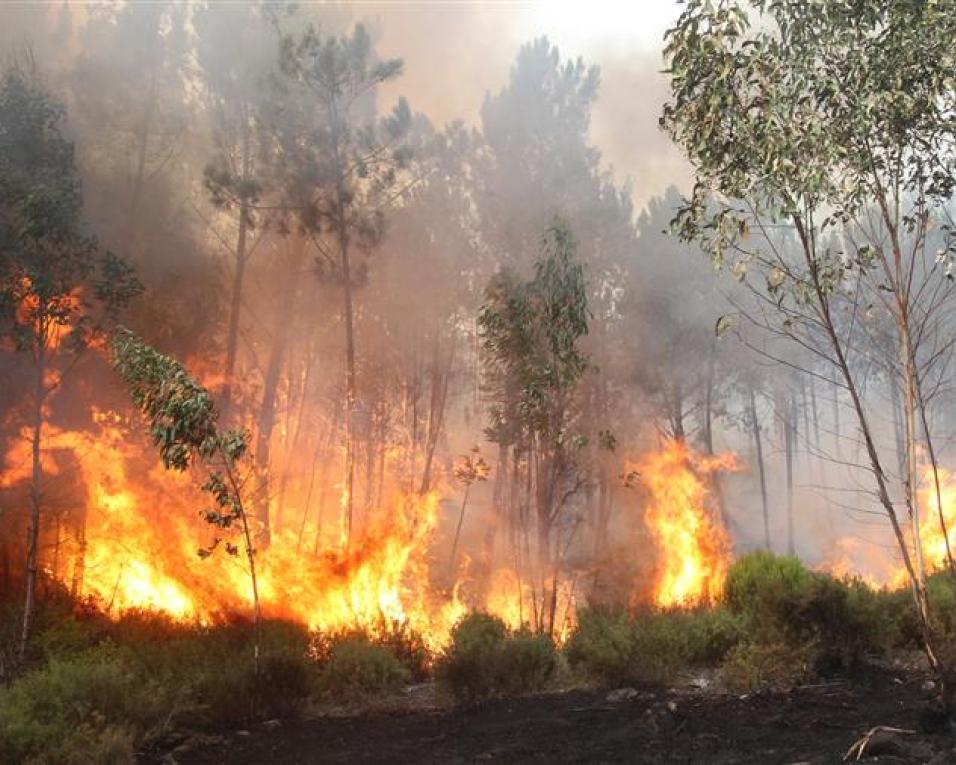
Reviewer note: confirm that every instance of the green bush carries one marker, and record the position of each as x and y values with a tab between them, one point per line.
485	659
710	634
603	647
356	667
615	647
760	666
764	590
96	703
838	621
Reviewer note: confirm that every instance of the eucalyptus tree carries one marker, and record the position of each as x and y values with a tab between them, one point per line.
341	168
535	161
184	425
531	334
830	120
58	290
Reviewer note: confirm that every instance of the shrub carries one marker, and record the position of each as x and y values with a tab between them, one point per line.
760	666
603	647
407	646
356	667
764	589
839	621
615	647
485	659
526	662
710	634
98	702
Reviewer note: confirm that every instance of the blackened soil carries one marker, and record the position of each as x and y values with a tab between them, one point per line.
813	724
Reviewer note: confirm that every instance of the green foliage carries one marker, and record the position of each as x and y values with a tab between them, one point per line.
47	258
782	603
183	423
616	647
355	667
95	703
759	666
531	333
485	659
764	588
338	167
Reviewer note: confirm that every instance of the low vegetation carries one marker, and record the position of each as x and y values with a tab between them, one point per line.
99	689
486	659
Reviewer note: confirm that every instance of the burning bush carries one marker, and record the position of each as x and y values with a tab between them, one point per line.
486	659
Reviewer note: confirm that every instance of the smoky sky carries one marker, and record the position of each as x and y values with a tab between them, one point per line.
455	53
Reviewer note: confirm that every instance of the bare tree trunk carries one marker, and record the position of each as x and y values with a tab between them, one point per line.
826	319
789	437
499	515
235	307
461	520
350	380
267	411
436	412
36	494
760	469
912	469
79	565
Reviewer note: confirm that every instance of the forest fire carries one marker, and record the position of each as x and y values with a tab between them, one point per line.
693	545
128	555
934	507
134	543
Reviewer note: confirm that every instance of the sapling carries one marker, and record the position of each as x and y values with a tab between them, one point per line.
183	422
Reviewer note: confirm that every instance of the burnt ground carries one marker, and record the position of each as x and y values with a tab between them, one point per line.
811	724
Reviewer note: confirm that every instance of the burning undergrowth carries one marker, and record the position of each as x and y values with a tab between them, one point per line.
126	533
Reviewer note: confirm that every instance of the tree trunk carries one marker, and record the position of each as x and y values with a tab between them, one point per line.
33	533
235	307
761	470
267	412
461	521
350	384
436	411
789	437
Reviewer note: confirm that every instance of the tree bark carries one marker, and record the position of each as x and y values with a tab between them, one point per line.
267	411
235	307
760	469
33	533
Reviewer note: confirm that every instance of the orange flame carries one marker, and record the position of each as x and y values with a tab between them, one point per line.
693	545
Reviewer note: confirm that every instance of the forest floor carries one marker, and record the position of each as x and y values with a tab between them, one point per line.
811	724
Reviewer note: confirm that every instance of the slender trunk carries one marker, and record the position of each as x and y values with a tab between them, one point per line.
815	413
140	175
761	470
267	412
79	565
436	413
876	466
837	437
350	391
709	400
33	533
912	469
498	516
789	438
900	442
235	307
251	558
461	520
